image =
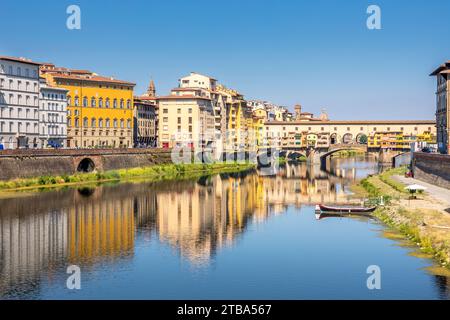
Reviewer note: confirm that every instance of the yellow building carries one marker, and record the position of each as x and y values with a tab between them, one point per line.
100	110
237	114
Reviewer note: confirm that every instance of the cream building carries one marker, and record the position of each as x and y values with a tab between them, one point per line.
443	106
185	120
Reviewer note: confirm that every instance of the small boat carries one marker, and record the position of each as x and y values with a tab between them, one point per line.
344	209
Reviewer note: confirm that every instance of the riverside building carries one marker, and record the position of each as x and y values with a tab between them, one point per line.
19	103
100	109
443	106
52	116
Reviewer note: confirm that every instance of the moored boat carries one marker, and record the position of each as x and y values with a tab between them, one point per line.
344	209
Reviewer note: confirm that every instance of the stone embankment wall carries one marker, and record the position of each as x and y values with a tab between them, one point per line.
432	168
33	163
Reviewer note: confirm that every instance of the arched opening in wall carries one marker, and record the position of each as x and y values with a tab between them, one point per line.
347	138
361	138
86	165
333	138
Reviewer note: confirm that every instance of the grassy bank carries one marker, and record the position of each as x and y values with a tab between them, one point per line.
152	173
426	228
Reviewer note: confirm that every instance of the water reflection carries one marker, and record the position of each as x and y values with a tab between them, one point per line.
40	235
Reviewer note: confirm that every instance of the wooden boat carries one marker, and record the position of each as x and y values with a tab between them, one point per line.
344	209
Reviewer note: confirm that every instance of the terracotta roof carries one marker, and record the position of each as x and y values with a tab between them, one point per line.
19	59
94	78
188	89
331	122
175	97
146	98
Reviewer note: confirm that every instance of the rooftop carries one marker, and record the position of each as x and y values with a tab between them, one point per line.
443	67
19	59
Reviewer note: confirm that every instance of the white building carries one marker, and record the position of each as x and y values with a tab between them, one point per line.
196	80
19	103
52	116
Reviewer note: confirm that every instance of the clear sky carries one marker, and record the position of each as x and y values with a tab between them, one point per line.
318	53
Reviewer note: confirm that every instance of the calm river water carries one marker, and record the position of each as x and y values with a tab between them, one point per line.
239	236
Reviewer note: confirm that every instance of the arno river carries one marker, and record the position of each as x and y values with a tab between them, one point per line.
241	236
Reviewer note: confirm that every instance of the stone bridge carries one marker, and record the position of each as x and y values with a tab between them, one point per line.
322	155
34	163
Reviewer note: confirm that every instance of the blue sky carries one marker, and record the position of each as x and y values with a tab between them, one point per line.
317	53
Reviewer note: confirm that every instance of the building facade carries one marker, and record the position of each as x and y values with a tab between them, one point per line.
443	106
100	109
52	116
145	131
19	103
185	120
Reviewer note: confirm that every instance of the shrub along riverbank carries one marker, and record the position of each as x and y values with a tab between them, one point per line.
417	220
152	173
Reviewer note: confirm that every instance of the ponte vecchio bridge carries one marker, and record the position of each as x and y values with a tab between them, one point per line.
319	139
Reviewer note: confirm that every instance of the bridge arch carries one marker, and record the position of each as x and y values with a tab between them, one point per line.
334	138
86	165
361	138
347	138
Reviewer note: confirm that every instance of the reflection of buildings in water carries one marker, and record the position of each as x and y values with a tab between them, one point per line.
198	220
58	229
303	184
87	226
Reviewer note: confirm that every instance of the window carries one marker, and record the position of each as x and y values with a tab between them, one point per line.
190	110
10	70
165	111
69	100
100	103
85	102
165	119
115	123
179	120
129	124
93	102
19	71
93	123
128	104
107	102
77	102
121	104
190	120
107	123
115	103
178	110
122	123
100	123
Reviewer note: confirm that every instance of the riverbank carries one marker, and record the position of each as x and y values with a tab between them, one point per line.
151	173
419	220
